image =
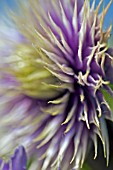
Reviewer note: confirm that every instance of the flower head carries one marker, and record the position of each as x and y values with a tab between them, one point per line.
53	84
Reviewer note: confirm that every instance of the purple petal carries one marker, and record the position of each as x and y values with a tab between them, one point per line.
19	159
109	66
6	166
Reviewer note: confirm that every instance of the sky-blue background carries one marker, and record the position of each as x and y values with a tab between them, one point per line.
109	15
108	18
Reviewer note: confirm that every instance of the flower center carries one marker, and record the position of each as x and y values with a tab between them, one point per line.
29	69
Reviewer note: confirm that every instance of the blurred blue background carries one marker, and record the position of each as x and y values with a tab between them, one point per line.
109	15
108	18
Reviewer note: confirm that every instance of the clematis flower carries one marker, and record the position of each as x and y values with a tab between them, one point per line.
55	64
17	162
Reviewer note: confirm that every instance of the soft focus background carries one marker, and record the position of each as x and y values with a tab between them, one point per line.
100	163
108	19
107	22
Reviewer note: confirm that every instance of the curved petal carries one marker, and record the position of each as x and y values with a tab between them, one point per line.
17	162
109	65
